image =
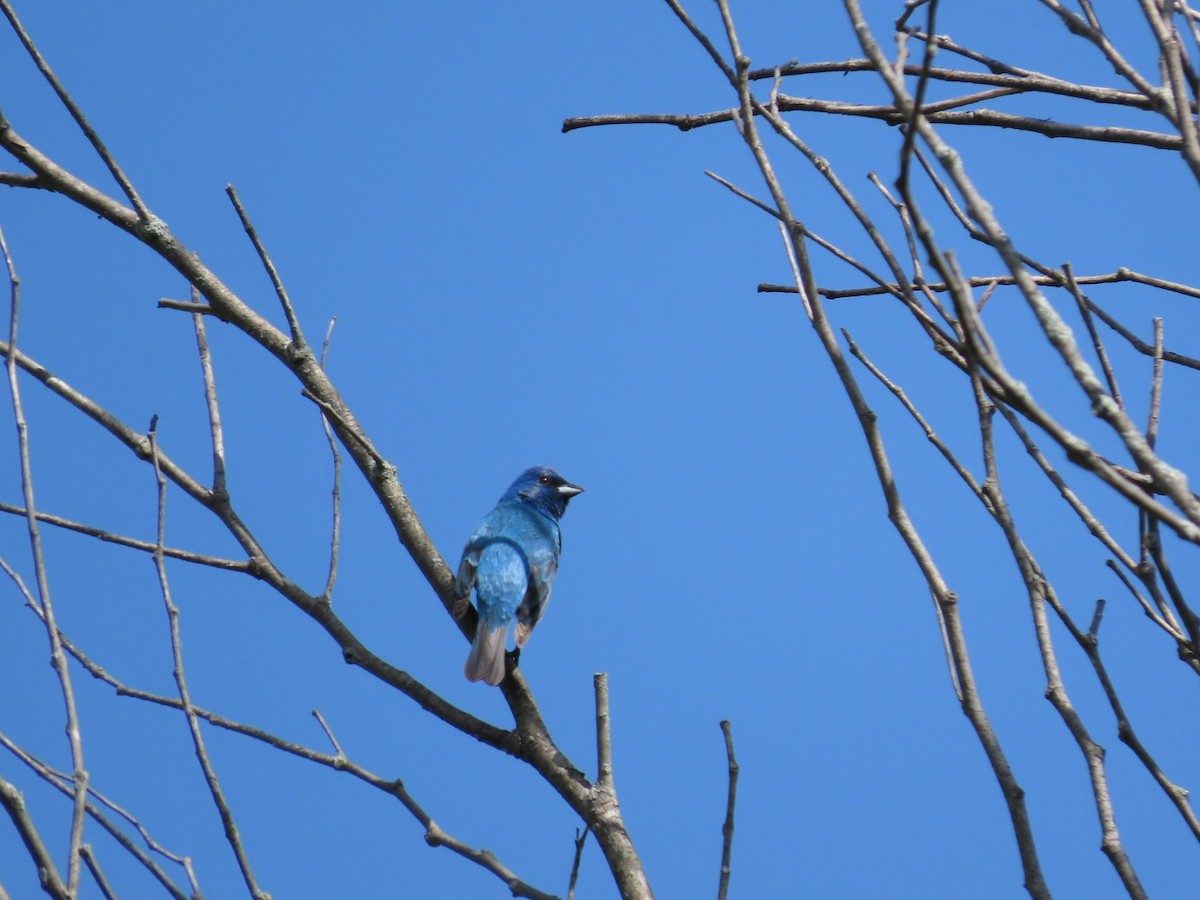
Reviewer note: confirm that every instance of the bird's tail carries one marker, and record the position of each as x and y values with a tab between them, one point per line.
486	661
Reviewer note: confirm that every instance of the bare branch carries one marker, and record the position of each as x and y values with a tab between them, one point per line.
336	529
76	113
206	766
1040	594
604	771
1156	384
62	783
14	804
1166	477
727	828
210	397
1119	275
580	838
945	599
1163	617
1094	628
1175	102
1054	280
434	835
100	534
93	866
1190	620
21	179
1090	31
58	660
1176	794
280	291
701	39
944	114
1098	345
744	195
202	309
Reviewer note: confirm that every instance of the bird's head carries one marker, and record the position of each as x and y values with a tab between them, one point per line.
545	489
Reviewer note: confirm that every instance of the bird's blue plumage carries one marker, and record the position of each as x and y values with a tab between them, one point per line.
510	560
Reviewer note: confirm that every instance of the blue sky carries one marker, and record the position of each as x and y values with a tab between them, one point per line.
508	295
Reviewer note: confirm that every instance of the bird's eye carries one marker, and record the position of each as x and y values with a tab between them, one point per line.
545	479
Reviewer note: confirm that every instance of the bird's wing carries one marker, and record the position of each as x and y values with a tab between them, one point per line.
464	581
542	547
492	523
533	607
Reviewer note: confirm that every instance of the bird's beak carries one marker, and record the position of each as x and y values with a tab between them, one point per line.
569	490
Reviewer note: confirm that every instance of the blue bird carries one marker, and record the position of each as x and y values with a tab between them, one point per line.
511	560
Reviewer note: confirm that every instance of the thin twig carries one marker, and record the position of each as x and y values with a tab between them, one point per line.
1043	280
702	39
949	456
329	733
1174	102
14	804
808	235
109	160
203	309
1187	615
1001	74
58	660
972	704
434	835
93	866
918	108
336	528
743	194
604	776
216	433
1120	275
289	311
727	827
1097	616
1137	343
1098	345
789	248
1090	32
1125	732
210	775
939	335
1163	617
1041	594
22	179
63	783
580	839
100	534
331	414
986	118
1156	384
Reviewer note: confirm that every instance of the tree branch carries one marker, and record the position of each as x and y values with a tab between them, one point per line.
210	774
727	828
58	661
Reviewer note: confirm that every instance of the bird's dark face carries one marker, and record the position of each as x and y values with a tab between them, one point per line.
545	489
